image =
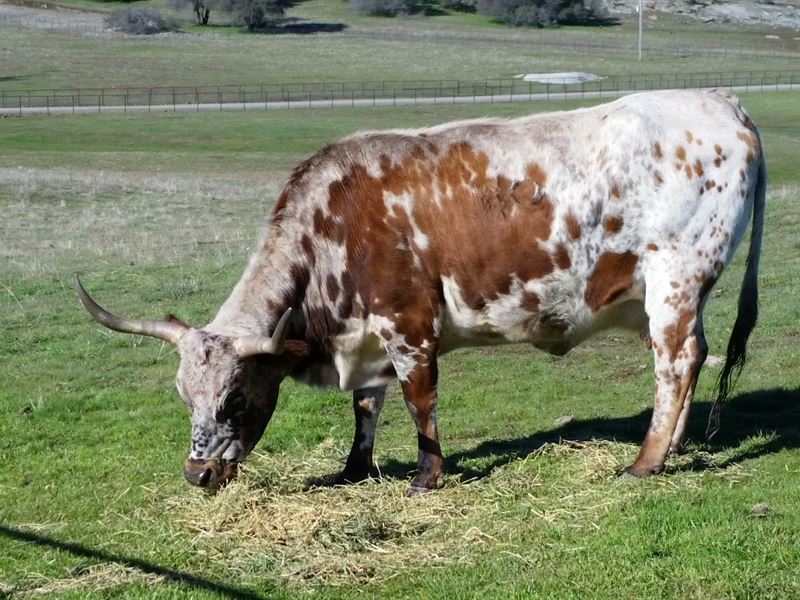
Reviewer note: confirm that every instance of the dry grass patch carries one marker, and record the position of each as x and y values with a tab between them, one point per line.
56	220
273	520
100	577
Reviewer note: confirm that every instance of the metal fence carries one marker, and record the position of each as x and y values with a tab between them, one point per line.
372	93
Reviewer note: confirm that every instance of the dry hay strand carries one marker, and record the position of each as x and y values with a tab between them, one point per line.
103	576
270	520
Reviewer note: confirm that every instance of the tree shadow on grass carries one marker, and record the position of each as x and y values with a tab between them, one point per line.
744	416
178	577
295	26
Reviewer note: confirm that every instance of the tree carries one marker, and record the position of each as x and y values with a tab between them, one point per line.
540	13
201	8
254	14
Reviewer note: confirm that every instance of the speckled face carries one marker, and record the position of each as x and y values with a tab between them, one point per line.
230	401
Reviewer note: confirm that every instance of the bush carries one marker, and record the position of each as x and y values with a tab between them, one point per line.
461	5
140	21
383	8
540	13
255	14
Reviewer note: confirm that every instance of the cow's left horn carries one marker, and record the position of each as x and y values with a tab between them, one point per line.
256	344
169	331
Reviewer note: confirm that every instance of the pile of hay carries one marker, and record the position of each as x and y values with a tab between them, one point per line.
270	522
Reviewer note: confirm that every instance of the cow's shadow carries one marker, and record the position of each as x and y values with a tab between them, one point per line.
774	411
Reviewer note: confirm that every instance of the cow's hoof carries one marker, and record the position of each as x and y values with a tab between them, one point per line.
350	477
638	472
416	490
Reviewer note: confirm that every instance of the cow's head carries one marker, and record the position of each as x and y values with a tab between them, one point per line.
229	384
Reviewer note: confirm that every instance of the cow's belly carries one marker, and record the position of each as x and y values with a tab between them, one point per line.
558	324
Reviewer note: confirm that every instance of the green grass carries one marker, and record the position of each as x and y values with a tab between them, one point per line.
374	49
159	213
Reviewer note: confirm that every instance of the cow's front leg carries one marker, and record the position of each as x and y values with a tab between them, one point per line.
419	390
367	405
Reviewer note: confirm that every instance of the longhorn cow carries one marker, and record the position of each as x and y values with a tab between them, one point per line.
387	249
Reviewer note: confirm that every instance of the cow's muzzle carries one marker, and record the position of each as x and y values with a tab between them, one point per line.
209	473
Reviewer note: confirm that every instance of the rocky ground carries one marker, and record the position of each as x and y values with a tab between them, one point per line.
778	14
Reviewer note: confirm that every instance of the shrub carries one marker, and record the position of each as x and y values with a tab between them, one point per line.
383	8
140	21
255	14
539	13
461	5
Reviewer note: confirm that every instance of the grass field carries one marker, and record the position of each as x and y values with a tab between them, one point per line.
159	213
374	49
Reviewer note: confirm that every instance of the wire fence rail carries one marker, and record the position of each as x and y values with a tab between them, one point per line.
371	93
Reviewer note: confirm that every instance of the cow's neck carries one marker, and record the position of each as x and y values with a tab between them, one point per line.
266	289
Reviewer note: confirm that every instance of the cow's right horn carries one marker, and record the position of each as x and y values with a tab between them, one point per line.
169	331
254	344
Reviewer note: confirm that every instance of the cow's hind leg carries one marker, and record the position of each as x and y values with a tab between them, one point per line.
680	349
367	405
679	436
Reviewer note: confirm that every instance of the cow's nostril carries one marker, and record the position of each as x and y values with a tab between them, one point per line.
205	478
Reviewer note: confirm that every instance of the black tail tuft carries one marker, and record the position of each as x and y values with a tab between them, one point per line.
748	308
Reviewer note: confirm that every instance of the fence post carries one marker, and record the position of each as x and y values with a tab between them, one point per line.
20	105
73	104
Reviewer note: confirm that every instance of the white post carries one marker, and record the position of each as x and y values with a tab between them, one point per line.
641	14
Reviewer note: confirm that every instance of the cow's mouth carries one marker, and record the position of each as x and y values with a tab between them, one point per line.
209	473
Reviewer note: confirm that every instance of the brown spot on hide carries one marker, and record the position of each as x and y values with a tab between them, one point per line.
710	183
652	247
348	296
719	188
717	162
688	169
657	177
698	168
612	276
280	206
523	191
616	191
675	335
689	136
612	225
680	153
386	334
573	227
718	149
333	287
529	302
749	138
328	227
657	152
561	257
308	248
321	325
536	174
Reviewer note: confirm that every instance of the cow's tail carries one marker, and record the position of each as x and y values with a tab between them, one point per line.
748	307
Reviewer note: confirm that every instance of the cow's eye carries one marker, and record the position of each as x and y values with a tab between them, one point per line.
235	404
